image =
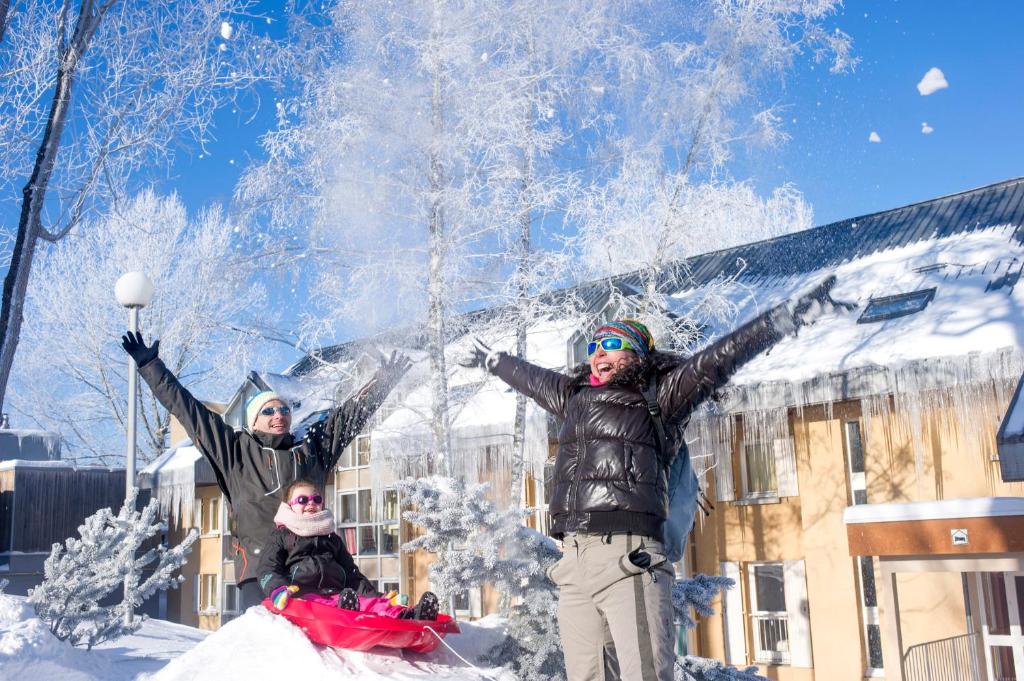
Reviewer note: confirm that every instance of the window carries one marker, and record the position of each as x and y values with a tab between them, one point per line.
208	594
346	508
891	307
363	450
770	627
210	515
390	510
347	458
759	479
231	599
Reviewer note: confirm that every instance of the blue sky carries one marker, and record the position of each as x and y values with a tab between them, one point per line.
977	122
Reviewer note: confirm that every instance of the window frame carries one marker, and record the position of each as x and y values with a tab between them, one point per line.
209	586
756	615
377	524
210	516
925	296
745	471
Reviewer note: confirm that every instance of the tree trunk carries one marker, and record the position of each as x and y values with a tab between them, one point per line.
524	250
440	426
5	17
33	198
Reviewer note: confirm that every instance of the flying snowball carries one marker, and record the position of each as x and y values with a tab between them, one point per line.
933	81
926	129
874	137
226	30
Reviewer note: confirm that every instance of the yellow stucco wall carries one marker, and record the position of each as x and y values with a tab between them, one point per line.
931	606
954	464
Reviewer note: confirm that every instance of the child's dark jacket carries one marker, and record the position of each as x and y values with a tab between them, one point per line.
318	564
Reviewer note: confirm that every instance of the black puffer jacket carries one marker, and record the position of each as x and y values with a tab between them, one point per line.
319	564
608	477
253	467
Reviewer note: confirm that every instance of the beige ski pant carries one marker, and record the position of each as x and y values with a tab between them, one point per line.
603	595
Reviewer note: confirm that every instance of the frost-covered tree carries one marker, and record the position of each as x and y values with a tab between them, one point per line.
475	542
685	105
691	668
81	572
377	166
206	312
95	94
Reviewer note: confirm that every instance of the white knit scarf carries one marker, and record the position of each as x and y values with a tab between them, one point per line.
302	524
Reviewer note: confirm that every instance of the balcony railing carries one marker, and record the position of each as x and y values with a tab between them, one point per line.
946	659
771	638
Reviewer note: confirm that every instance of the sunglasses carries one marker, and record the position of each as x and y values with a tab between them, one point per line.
302	499
282	410
611	343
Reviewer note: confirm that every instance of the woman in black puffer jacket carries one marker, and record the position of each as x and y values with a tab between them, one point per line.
610	496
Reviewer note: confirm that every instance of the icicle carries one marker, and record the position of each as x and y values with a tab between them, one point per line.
972	391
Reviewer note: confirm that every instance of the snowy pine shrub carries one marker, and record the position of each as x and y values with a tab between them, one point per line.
697	592
474	541
476	544
692	668
82	572
531	648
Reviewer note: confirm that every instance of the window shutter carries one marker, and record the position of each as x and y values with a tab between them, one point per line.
797	614
195	593
732	617
785	467
724	485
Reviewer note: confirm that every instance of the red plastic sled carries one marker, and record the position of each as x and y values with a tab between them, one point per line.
330	626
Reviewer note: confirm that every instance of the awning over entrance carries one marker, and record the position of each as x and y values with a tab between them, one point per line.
947	527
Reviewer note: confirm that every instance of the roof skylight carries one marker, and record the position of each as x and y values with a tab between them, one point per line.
901	305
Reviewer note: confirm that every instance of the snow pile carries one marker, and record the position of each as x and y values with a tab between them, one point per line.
257	645
261	645
29	650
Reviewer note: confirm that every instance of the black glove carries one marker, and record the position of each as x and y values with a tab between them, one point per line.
387	375
480	355
137	348
816	303
392	369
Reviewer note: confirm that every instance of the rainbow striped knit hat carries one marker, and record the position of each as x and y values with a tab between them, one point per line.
631	331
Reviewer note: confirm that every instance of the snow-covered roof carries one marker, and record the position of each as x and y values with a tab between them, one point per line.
976	308
979	507
11	464
173	477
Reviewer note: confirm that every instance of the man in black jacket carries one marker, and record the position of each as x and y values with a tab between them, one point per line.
610	487
253	466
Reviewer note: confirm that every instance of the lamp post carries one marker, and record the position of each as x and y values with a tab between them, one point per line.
133	290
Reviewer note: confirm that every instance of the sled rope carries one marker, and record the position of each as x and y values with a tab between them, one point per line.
456	654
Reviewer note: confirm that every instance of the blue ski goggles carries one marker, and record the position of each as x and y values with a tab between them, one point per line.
608	344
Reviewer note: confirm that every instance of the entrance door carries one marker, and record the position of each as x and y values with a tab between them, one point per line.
1002	595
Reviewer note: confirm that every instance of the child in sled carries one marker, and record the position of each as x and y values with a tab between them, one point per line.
305	558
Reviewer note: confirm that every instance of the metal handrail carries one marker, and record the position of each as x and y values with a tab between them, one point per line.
954	658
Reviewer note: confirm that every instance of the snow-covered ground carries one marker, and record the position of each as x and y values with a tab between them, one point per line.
258	645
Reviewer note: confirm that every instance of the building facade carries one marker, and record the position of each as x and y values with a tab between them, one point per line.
862	505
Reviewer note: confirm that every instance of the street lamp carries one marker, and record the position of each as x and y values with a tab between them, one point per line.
133	290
